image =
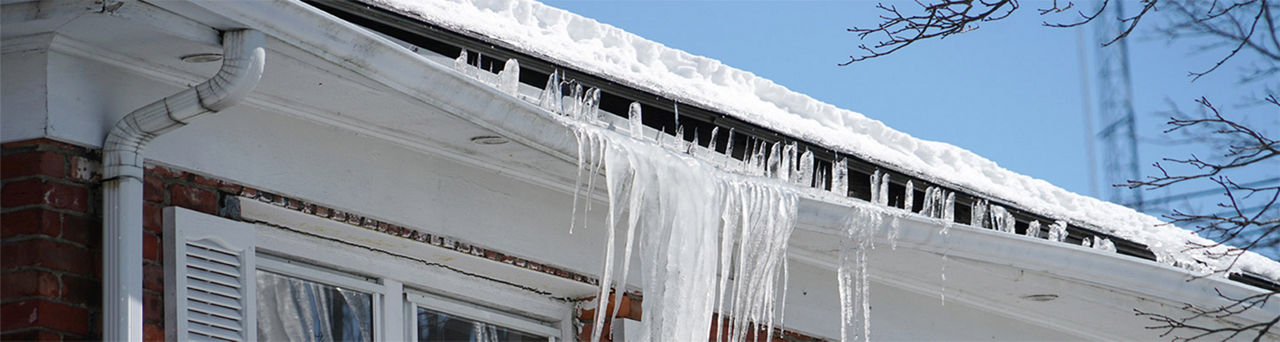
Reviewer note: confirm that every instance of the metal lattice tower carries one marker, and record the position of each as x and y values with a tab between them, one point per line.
1115	111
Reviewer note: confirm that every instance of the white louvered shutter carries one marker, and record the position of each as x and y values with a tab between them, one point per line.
209	278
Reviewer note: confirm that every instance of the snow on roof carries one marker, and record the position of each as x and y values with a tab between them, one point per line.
609	52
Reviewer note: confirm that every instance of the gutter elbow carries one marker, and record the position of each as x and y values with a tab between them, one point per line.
244	55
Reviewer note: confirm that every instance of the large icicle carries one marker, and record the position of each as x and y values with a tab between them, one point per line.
855	308
686	217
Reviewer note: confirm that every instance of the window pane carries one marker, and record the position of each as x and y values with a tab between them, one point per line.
436	326
292	309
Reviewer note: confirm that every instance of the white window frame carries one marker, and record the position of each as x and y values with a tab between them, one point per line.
339	279
418	299
298	244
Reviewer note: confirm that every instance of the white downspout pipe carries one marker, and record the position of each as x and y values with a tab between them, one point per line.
243	57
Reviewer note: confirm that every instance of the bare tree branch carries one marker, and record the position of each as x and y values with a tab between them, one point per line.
1249	220
939	20
1170	324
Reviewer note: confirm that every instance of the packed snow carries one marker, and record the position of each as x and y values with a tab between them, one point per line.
611	53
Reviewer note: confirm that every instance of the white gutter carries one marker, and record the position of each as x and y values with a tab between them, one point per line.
244	54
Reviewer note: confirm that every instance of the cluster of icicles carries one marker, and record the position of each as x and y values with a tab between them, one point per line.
692	223
702	219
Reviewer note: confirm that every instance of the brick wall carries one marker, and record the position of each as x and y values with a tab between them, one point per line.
50	264
51	236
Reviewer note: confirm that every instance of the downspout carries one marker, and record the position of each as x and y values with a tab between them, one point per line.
243	57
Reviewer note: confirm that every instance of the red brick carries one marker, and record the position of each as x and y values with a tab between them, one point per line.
70	197
152	332
85	170
38	191
153	218
82	291
32	164
30	283
152	307
166	173
228	187
47	253
193	198
80	229
26	192
153	277
45	314
202	180
30	222
151	247
153	188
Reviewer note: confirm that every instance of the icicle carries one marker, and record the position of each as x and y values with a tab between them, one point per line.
949	209
840	177
597	160
875	187
908	203
577	184
712	144
679	143
926	209
695	143
1058	231
806	168
820	180
575	100
460	63
1033	229
894	228
636	121
728	145
776	166
1001	220
787	169
663	198
978	214
884	190
615	179
551	94
852	275
592	110
1104	244
509	78
942	292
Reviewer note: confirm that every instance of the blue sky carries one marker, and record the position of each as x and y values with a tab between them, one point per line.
1009	91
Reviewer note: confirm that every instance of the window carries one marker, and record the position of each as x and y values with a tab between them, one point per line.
306	303
439	319
237	281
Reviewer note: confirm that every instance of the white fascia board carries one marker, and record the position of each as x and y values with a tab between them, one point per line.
1120	273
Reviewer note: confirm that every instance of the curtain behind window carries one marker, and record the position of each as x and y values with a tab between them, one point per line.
292	309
